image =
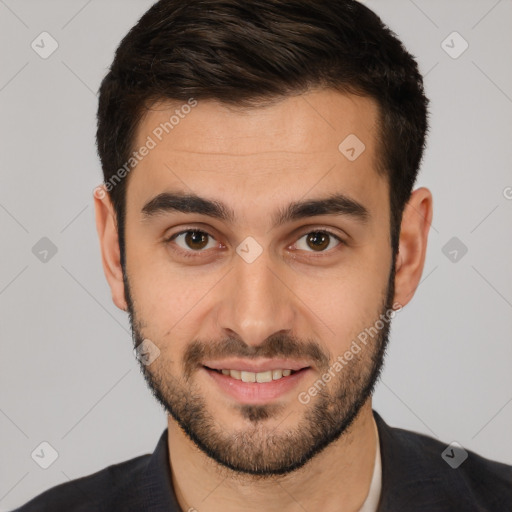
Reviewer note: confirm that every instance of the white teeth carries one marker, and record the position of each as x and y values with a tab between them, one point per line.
277	374
248	377
267	376
264	376
235	374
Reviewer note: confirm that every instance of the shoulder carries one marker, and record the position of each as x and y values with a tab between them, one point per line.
476	470
420	465
104	490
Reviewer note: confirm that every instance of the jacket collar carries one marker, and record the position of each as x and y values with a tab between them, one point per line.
415	477
158	491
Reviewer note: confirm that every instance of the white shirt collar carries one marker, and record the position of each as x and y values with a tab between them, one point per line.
372	500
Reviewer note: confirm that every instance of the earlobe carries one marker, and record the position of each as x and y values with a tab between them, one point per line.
416	222
106	227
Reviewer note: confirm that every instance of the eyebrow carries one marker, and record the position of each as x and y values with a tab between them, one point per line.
335	204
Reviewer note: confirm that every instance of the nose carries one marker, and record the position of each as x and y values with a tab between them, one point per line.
257	301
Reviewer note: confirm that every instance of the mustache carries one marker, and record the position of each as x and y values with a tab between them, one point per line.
277	345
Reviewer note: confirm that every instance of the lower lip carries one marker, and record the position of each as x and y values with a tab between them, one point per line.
256	392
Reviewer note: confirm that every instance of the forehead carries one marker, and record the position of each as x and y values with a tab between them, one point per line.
286	124
302	145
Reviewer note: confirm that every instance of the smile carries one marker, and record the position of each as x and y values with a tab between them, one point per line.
266	376
255	387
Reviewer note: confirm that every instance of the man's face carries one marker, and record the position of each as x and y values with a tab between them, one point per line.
246	292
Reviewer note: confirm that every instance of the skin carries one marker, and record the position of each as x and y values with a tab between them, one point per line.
257	161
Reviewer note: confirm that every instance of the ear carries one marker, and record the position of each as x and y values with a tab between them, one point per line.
106	226
416	221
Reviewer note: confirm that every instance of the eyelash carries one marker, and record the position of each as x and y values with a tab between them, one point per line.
197	254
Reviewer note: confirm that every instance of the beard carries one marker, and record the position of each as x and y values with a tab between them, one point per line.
260	450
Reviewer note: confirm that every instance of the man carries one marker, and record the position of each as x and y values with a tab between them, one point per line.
259	225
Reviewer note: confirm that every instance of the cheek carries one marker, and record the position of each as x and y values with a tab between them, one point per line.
165	297
168	298
352	298
349	304
160	289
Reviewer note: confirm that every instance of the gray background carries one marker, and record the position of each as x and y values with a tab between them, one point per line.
68	374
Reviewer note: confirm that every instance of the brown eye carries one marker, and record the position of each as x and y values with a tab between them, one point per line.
196	239
318	241
192	240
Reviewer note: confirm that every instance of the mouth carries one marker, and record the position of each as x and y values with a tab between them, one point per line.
256	387
260	377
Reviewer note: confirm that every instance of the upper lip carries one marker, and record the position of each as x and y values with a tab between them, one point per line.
261	365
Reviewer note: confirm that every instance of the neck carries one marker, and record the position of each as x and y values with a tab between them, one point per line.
200	483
